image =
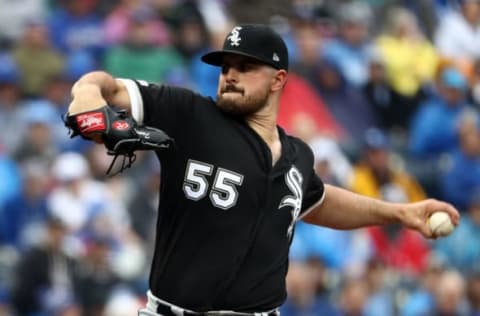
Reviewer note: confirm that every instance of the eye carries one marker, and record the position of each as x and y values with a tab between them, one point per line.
224	68
242	67
247	66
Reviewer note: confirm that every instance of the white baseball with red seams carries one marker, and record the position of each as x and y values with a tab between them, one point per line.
440	224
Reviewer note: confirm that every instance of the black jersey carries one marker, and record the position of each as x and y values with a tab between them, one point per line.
226	215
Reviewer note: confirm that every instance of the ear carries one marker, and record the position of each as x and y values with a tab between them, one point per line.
279	79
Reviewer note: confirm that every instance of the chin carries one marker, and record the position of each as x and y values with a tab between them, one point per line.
241	105
230	107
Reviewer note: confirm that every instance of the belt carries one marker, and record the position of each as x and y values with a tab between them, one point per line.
167	309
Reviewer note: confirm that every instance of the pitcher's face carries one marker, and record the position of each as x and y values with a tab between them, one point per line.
244	85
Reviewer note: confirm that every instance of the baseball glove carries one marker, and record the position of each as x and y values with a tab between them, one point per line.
120	134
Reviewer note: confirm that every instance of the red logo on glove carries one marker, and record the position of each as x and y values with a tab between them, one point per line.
120	125
91	122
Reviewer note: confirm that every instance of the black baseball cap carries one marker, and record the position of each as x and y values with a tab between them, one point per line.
257	41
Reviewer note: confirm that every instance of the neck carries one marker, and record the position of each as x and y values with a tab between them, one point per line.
264	122
266	128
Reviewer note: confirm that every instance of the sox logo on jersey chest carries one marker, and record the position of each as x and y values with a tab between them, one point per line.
293	179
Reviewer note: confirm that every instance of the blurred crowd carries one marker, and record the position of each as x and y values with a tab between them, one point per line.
387	94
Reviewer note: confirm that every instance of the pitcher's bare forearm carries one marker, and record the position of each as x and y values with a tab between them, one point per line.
342	209
96	89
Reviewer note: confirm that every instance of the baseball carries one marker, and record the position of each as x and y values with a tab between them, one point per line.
440	224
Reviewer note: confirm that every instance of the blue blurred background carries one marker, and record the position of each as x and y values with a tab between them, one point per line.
387	94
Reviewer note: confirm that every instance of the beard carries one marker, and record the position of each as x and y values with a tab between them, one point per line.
241	105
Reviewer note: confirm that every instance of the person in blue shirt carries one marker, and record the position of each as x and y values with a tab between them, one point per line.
352	48
461	249
461	175
308	293
76	26
24	214
434	125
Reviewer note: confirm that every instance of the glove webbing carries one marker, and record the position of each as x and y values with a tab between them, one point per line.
125	164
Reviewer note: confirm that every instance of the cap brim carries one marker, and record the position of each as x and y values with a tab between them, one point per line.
216	58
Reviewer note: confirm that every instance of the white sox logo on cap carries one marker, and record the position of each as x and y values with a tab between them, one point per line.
234	36
255	41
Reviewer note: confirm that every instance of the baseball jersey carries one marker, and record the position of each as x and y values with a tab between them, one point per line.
226	215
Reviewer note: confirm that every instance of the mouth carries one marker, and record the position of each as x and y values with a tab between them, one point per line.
232	93
232	89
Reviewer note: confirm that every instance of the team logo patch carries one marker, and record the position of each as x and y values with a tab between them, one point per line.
293	179
234	36
120	125
91	122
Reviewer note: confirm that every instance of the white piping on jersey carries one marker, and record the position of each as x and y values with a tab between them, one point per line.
311	208
136	101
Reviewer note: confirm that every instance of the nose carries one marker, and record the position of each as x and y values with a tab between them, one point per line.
230	74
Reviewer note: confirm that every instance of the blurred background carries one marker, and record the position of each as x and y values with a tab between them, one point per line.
387	94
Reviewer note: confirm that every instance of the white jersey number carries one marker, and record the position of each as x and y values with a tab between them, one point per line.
195	184
223	194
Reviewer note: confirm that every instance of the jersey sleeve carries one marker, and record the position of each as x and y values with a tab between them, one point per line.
314	194
162	106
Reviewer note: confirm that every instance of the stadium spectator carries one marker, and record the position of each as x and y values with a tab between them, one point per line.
331	163
76	25
420	299
461	249
458	34
375	176
139	56
303	113
381	299
18	14
306	45
461	176
95	279
11	102
433	127
84	204
351	49
45	274
119	20
353	296
410	59
303	298
450	295
38	117
24	215
36	58
342	100
393	110
189	31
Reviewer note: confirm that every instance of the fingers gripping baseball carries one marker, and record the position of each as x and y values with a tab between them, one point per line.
418	216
